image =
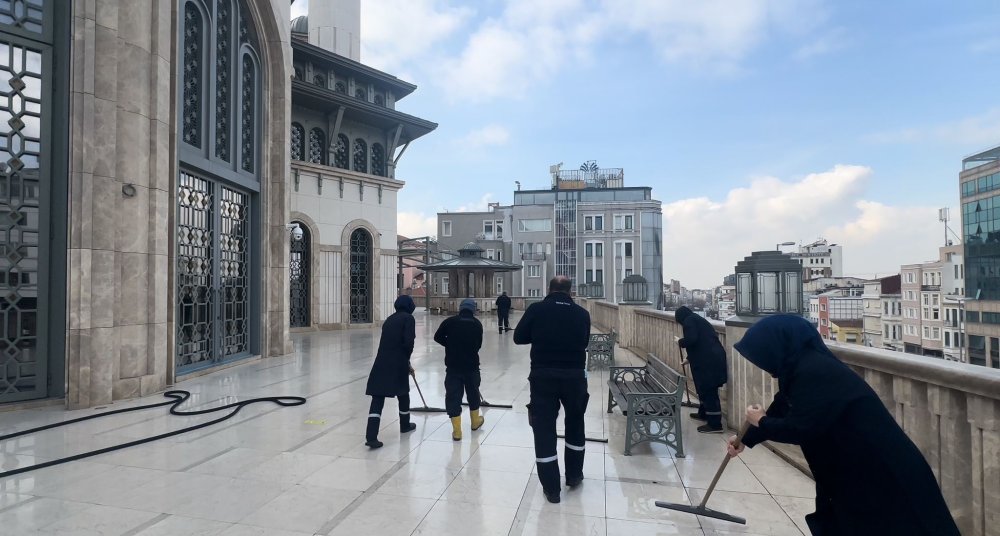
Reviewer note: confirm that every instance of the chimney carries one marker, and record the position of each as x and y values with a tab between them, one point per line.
336	26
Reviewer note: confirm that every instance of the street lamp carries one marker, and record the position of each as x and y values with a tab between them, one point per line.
778	246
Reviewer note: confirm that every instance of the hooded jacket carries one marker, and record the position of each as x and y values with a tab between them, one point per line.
462	337
704	351
390	372
870	478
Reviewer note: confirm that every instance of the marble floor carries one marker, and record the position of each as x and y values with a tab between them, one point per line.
304	470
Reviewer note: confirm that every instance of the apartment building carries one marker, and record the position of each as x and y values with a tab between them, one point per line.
925	287
820	259
842	304
874	332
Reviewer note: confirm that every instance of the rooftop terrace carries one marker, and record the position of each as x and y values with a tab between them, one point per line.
304	470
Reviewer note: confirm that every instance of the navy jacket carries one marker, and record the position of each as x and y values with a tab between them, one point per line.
870	477
558	331
503	303
391	369
462	337
705	353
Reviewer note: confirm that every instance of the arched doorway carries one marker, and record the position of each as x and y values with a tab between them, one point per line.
218	184
299	274
361	277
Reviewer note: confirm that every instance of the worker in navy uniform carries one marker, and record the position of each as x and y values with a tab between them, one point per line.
870	477
462	337
390	373
707	358
503	313
558	331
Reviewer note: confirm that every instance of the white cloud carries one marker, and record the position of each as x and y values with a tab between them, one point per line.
415	224
704	239
489	135
299	8
830	42
477	206
977	130
529	42
394	32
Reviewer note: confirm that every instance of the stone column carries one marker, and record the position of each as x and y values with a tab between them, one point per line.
951	421
984	418
121	164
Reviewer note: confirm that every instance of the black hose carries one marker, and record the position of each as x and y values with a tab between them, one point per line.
177	397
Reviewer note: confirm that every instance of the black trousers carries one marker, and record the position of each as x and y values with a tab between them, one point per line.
551	388
375	415
503	319
711	406
457	382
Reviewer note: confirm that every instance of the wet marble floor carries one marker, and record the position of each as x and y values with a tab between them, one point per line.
304	470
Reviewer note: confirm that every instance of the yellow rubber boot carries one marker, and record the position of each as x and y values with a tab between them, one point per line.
477	420
456	428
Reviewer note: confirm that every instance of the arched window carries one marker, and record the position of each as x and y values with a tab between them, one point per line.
379	99
360	156
299	272
319	80
361	93
340	87
317	146
218	184
298	140
194	50
361	277
340	155
248	108
378	160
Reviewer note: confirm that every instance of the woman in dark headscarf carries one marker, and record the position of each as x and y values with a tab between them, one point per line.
708	367
389	377
870	478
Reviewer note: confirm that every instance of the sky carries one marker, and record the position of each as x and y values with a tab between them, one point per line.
755	122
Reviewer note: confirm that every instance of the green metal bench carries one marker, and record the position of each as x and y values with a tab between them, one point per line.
650	399
601	350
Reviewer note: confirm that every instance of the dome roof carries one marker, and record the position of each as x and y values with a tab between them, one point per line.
300	25
471	247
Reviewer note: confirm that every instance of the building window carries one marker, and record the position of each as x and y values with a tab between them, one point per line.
531	226
298	140
500	255
378	160
534	270
628	272
498	229
588	249
340	87
319	80
623	222
593	223
487	230
361	276
299	264
340	154
379	99
194	45
360	156
361	93
499	278
909	277
628	249
490	253
317	146
446	228
935	313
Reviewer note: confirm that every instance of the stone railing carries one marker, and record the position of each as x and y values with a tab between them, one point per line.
950	410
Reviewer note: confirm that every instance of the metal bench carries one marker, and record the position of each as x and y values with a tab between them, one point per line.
601	349
650	399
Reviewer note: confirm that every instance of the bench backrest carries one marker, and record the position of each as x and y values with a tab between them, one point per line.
662	372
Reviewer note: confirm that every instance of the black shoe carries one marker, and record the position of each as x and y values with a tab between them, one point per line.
709	429
373	444
572	482
552	497
408	428
698	417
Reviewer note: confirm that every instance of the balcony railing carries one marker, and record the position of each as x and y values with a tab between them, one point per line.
950	410
930	288
533	256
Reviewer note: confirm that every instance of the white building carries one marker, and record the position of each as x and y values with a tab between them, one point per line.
820	259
